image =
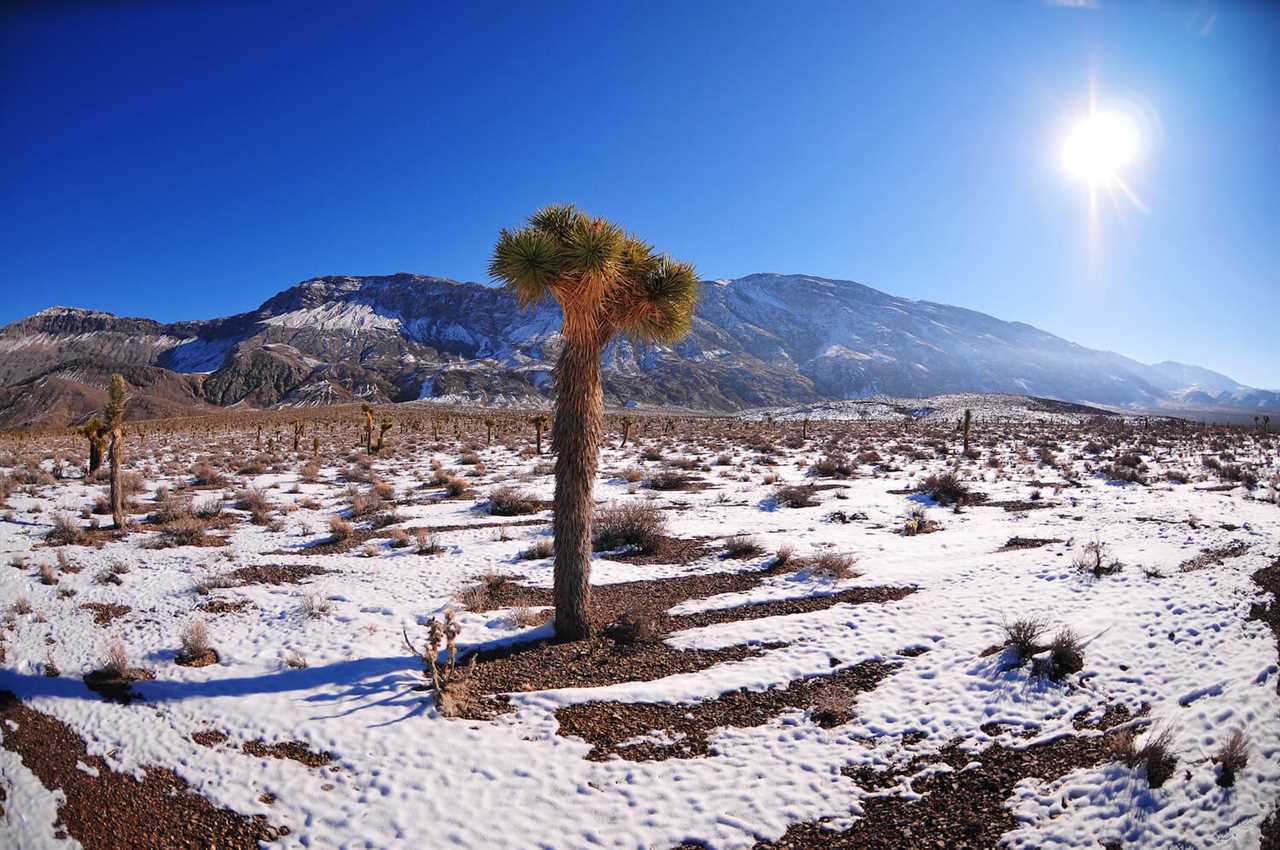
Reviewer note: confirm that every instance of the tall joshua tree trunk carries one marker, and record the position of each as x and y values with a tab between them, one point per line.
116	393
576	434
116	456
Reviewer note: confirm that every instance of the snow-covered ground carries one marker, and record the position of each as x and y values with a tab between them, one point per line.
1175	646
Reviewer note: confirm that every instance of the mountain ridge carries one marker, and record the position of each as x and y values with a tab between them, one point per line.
764	339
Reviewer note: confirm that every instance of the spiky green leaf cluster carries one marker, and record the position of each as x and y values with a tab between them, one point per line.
604	279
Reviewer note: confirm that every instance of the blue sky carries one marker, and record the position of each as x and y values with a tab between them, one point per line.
187	160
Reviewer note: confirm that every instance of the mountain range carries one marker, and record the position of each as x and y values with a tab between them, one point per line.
759	340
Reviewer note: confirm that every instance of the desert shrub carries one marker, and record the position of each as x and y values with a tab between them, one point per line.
636	524
832	565
208	509
115	658
784	557
424	542
795	496
399	538
669	479
742	546
918	522
254	500
1127	474
47	574
186	531
21	606
1022	637
539	550
634	626
66	531
195	640
508	501
1232	758
486	593
1065	656
948	489
339	528
205	475
314	605
1096	561
172	508
1155	755
833	466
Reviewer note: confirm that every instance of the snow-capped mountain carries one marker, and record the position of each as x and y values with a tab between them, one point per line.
764	339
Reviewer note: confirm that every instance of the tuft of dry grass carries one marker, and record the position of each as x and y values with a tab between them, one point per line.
544	548
1023	637
195	640
1232	757
339	528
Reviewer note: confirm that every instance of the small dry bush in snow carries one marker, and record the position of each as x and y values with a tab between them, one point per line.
1155	755
508	501
1232	758
636	524
340	528
195	639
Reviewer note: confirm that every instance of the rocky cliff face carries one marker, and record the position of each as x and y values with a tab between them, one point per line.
764	339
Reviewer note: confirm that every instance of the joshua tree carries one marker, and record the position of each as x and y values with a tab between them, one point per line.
539	422
383	427
116	391
368	427
297	433
1266	424
627	422
488	430
965	425
605	282
804	428
315	447
96	433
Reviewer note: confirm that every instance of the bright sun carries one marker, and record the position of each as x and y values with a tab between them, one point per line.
1099	146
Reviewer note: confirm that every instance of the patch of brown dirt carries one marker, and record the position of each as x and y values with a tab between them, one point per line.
594	663
115	811
105	612
1214	556
292	750
682	730
209	656
209	738
960	810
224	606
116	687
1027	543
669	550
1268	578
274	574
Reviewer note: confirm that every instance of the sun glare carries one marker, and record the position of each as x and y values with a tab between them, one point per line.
1100	146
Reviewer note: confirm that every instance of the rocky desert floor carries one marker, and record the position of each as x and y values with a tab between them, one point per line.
811	634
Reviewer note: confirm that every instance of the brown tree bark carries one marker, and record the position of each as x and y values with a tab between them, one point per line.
116	456
576	434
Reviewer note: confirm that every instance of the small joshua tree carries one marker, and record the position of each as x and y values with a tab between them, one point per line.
539	423
383	427
965	425
606	282
488	430
451	687
627	423
116	393
297	434
96	433
367	410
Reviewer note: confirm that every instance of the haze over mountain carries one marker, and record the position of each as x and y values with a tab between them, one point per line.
764	339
